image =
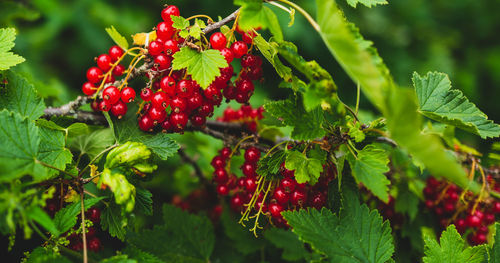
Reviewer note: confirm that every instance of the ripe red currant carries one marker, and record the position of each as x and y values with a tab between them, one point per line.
248	169
218	162
239	49
218	40
222	189
252	155
198	120
160	100
195	101
119	109
155	48
118	70
127	94
179	120
94	214
228	54
163	61
164	31
168	11
146	94
146	123
167	84
111	94
94	244
94	74
275	210
171	47
88	88
104	62
157	114
281	196
299	197
225	152
178	104
221	176
115	52
185	88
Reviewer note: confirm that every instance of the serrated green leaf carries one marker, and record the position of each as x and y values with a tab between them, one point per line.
66	217
291	112
45	255
113	220
36	214
368	3
179	22
269	51
358	235
119	259
306	169
52	150
369	168
355	131
144	201
195	31
120	40
439	102
293	248
140	255
271	164
494	251
203	66
254	15
451	249
20	96
7	58
92	144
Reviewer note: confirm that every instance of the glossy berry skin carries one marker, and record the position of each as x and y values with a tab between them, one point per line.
195	101
245	86
95	105
251	184
146	94
473	221
298	198
218	162
104	106
171	47
275	210
198	120
155	48
252	155
166	125
248	169
228	54
318	200
281	196
163	61
94	244
94	214
168	84
185	88
111	95
169	11
146	123
242	97
119	109
118	70
115	52
164	31
160	100
239	49
157	114
88	88
179	120
178	104
94	74
221	176
237	203
222	189
218	40
225	152
127	94
104	62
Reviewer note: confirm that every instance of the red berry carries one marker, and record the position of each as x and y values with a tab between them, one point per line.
115	52
168	11
473	221
237	203
275	210
318	200
251	184
146	123
225	152
228	54
229	92
218	40
198	120
222	189
164	31
288	184
281	196
157	114
128	94
167	84
221	176
94	244
88	88
218	162
185	88
94	74
94	214
195	101
252	155
249	61
496	207
461	225
213	94
166	125
298	198
104	105
104	62
489	218
449	207
146	94
155	48
160	100
429	204
206	108
171	47
119	109
178	104
95	105
111	94
179	120
118	70
163	61
247	38
248	169
242	97
239	49
245	86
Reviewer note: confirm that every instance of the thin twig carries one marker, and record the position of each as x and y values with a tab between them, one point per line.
224	21
84	234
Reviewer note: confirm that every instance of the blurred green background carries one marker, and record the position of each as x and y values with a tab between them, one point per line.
59	39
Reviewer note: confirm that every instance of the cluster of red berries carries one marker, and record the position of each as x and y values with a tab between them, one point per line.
93	241
246	114
468	216
286	195
173	99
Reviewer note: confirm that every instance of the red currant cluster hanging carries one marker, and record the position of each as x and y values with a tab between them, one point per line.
172	98
467	212
246	114
255	194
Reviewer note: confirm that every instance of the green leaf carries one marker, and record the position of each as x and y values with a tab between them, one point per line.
358	235
254	14
269	51
291	112
271	164
179	22
144	201
494	251
355	131
52	150
368	3
66	217
113	220
306	169
293	248
92	144
119	259
20	96
18	156
7	58
242	239
38	215
451	249
140	255
203	66
356	55
117	37
369	168
439	102
45	255
406	201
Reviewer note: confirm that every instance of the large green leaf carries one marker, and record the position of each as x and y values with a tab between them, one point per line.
451	249
203	66
36	214
356	55
358	235
117	37
270	52
494	251
66	217
93	143
253	14
20	96
307	168
293	248
114	221
52	150
369	168
439	102
7	58
368	3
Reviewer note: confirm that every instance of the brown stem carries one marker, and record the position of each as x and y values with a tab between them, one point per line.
84	234
224	21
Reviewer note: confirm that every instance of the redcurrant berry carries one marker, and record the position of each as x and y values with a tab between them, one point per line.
111	94
239	49
115	52
218	40
119	109
128	94
94	74
88	88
